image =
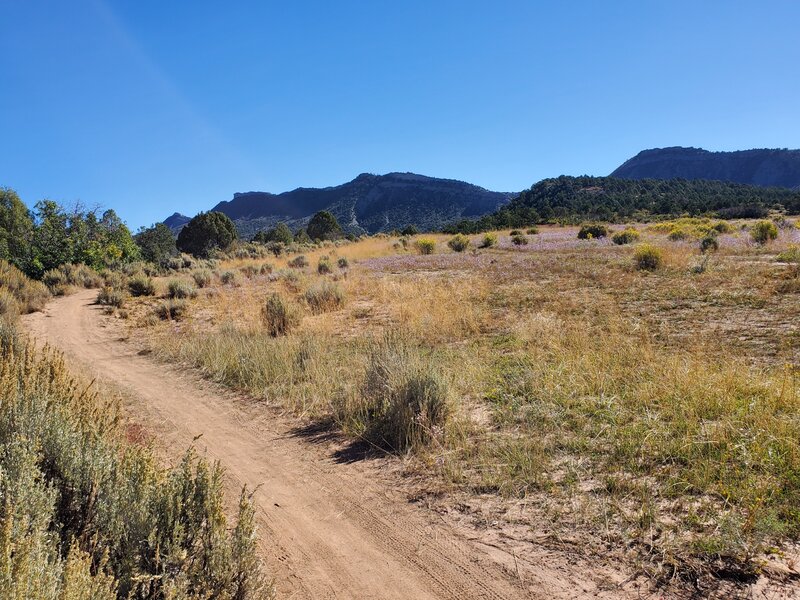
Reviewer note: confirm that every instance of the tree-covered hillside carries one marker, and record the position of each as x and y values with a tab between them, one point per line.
574	199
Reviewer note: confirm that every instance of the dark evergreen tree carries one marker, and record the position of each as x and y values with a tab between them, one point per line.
156	243
324	226
206	232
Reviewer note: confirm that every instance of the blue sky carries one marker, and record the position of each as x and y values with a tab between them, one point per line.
154	107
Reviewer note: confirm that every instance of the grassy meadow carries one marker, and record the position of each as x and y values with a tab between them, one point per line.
632	388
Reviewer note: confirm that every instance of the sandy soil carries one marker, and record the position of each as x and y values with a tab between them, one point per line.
329	528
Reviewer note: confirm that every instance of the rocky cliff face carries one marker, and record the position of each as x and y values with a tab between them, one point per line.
780	168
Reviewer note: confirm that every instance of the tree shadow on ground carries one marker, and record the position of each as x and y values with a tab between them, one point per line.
347	450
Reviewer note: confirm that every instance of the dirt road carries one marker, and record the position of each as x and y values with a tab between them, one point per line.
328	530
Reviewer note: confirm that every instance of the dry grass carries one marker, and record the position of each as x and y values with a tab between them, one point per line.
658	409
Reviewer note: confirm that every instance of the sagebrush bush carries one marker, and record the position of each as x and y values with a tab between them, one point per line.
324	265
180	289
709	244
405	402
141	285
626	236
202	277
343	263
425	245
519	239
228	278
489	240
88	516
110	296
763	232
250	271
298	262
56	282
9	307
324	296
648	257
172	309
458	243
280	315
266	269
532	230
592	231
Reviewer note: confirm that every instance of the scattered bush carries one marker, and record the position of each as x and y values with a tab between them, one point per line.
458	243
532	230
626	236
648	257
266	269
592	231
790	255
709	244
280	315
514	232
763	232
519	239
180	288
202	277
489	240
406	402
323	296
228	278
343	263
425	245
172	309
249	271
141	285
324	265
298	262
113	297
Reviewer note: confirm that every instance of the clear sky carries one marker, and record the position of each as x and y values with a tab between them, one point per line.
154	107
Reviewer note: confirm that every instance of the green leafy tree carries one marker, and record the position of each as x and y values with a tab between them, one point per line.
324	226
206	232
280	233
52	245
156	243
16	230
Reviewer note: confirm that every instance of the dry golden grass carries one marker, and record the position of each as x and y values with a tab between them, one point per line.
659	409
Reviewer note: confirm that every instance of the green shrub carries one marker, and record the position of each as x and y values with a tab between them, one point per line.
514	232
519	239
228	278
425	245
709	244
109	296
324	265
532	230
324	296
626	236
202	277
648	257
172	309
298	262
280	315
790	255
592	231
180	288
458	243
489	240
405	401
343	263
763	232
722	227
141	285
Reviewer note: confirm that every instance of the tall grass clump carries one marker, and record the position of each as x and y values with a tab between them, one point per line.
648	257
458	243
280	315
404	401
88	515
324	296
141	285
425	245
29	295
763	232
202	277
180	288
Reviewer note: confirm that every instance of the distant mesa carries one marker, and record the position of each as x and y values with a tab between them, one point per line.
176	221
367	204
762	167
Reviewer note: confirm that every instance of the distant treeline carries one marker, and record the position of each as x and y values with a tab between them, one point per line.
575	199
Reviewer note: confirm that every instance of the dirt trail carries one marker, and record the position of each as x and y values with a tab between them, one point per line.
327	530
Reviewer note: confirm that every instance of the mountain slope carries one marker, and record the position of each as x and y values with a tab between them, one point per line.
778	168
368	203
